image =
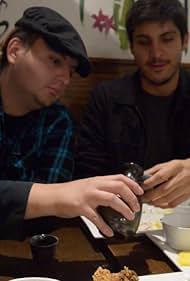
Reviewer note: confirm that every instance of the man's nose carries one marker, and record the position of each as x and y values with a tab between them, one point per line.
64	75
155	51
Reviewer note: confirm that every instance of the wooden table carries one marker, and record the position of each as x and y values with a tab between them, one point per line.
78	255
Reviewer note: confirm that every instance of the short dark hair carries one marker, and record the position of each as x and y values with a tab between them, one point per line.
28	38
156	10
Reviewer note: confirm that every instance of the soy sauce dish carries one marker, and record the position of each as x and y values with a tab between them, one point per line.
176	227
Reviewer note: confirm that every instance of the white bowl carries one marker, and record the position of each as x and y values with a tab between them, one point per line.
176	228
183	208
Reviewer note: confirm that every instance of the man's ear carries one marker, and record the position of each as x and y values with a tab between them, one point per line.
131	48
14	48
185	42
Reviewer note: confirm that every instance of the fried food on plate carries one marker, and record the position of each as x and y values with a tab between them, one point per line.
126	274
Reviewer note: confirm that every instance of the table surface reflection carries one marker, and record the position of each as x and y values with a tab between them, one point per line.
79	254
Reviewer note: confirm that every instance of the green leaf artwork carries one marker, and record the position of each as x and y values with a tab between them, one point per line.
82	11
120	11
4	24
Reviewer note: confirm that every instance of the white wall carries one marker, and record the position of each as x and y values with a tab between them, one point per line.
99	44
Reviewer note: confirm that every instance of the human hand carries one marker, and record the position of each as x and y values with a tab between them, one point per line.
82	197
172	182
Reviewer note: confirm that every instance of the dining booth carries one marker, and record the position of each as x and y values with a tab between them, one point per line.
78	252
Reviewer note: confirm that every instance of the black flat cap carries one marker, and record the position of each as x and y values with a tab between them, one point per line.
57	32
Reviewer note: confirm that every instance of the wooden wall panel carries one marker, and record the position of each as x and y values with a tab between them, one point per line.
78	92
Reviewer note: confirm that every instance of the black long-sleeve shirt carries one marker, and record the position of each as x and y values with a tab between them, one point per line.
13	202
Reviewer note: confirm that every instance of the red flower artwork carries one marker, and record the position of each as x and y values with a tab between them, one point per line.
103	22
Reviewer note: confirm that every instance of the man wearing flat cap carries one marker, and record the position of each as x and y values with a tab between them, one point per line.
36	131
37	62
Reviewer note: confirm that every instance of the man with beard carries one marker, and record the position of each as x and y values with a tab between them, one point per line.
144	118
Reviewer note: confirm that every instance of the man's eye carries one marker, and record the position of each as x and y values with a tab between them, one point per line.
143	43
55	61
168	39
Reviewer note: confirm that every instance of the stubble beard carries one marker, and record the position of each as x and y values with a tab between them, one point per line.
164	81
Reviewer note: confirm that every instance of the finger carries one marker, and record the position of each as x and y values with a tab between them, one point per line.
162	205
119	188
178	200
134	186
175	198
94	217
163	172
163	190
111	200
153	169
167	199
151	195
170	191
158	178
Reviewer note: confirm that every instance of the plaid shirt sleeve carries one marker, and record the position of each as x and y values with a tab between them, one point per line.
56	154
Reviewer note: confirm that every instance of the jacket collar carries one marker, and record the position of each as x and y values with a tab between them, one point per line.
184	85
1	107
130	85
127	90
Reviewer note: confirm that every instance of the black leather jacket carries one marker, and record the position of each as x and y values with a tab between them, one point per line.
113	131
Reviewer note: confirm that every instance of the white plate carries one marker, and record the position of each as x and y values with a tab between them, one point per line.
34	279
92	228
158	238
174	276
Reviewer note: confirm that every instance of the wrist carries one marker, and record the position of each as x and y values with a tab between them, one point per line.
41	201
186	163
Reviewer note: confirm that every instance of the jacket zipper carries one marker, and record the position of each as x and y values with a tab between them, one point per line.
142	121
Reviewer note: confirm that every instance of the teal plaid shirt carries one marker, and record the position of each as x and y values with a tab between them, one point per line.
38	146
